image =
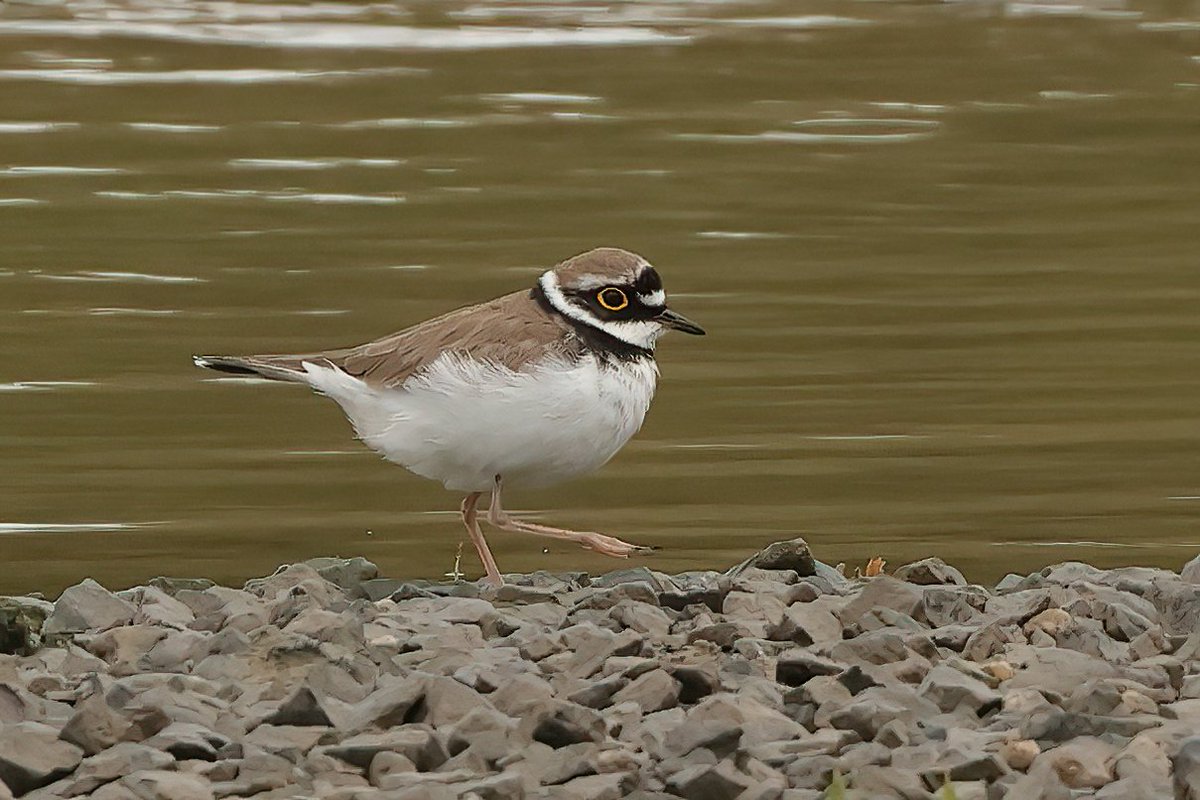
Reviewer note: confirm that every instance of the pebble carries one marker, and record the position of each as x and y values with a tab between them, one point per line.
328	680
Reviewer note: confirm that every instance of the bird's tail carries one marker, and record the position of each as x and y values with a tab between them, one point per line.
276	368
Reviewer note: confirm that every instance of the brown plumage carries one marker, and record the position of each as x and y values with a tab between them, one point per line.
512	331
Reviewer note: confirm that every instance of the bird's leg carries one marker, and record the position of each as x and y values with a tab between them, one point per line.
470	514
608	545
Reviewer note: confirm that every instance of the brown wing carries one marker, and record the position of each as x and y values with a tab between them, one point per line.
511	330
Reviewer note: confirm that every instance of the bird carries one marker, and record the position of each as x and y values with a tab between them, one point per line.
530	389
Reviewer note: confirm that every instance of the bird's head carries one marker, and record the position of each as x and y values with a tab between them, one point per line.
615	292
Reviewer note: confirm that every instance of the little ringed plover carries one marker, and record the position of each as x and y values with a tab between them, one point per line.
530	389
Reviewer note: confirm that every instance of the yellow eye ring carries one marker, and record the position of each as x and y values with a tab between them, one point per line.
612	298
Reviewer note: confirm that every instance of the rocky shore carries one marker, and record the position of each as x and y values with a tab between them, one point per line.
778	679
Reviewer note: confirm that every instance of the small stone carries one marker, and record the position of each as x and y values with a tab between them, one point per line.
1052	621
387	764
999	669
792	554
1019	753
1083	763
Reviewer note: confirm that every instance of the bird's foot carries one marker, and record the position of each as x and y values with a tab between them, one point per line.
611	545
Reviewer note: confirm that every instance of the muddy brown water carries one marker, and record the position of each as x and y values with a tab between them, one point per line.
947	255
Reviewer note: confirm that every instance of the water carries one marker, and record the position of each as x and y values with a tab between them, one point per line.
946	255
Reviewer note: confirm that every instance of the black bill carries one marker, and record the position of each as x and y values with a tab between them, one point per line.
680	323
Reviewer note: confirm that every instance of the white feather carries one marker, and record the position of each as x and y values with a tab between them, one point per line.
656	298
462	422
639	333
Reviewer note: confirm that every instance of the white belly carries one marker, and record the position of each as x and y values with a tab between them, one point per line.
462	422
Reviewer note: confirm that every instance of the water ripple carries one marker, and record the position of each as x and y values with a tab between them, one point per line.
100	77
60	170
71	527
36	127
330	198
346	36
90	276
540	98
312	163
43	386
171	127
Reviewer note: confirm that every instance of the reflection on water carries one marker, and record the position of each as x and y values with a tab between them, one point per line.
945	253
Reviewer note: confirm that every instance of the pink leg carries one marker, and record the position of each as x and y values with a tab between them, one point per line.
608	545
470	514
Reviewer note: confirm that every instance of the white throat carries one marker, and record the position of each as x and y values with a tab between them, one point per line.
639	333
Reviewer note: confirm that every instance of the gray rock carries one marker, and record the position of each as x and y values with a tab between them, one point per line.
302	707
1186	766
95	726
868	711
164	785
565	724
88	606
696	683
653	691
950	689
289	741
721	781
599	694
447	701
792	554
117	761
386	765
807	624
32	756
173	586
188	740
928	572
416	743
883	591
388	706
21	623
798	667
1191	571
611	786
347	573
1178	603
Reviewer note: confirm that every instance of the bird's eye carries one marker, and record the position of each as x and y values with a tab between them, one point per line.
612	298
